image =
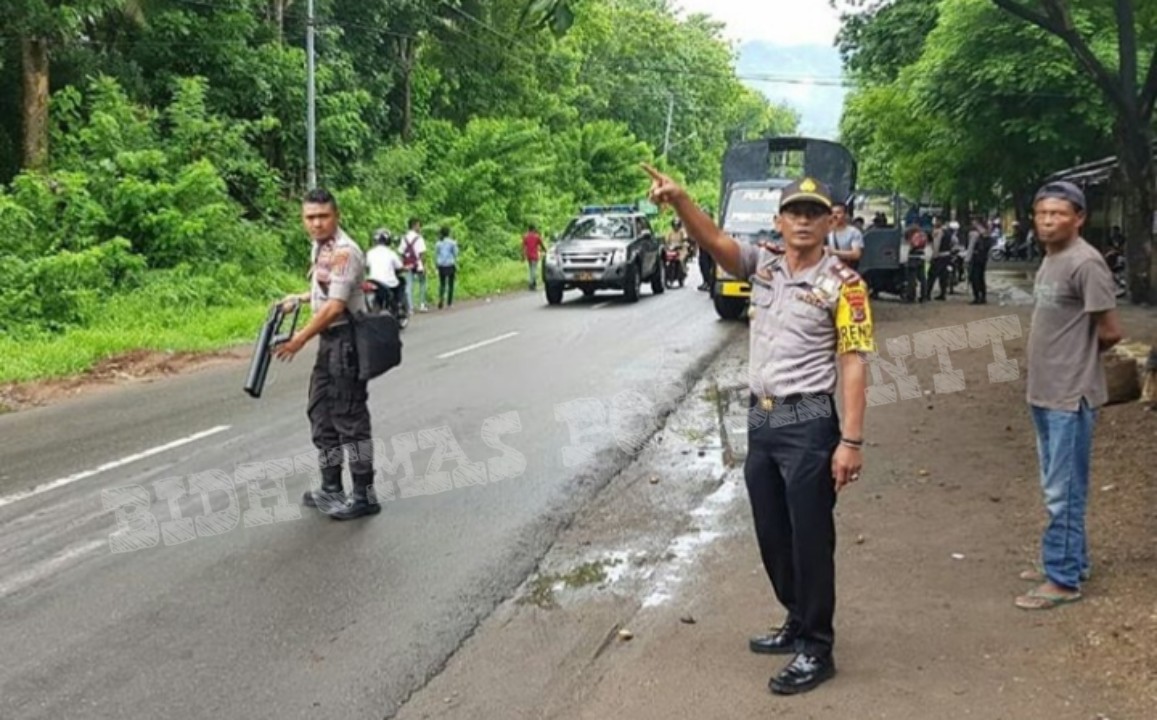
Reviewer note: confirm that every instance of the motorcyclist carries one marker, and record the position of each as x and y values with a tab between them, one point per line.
385	266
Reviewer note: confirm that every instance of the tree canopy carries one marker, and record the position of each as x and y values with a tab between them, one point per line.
145	137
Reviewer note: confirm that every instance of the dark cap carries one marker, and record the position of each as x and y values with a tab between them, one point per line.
1061	190
806	190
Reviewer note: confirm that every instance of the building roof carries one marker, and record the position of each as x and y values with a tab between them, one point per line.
1097	172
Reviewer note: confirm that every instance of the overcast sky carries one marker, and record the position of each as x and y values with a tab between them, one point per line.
779	26
781	22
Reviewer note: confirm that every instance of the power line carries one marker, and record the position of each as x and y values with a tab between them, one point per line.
481	23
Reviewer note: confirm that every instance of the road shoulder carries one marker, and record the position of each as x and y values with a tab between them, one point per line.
643	607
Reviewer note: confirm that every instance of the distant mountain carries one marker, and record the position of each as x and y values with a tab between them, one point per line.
819	105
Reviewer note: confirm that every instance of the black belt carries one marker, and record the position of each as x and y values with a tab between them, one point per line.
336	330
769	402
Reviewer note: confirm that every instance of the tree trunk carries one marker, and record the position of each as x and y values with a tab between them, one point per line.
279	17
408	51
34	53
1139	179
1020	203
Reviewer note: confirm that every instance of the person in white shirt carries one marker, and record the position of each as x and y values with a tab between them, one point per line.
383	267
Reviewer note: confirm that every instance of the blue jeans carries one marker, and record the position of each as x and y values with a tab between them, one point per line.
1065	449
419	286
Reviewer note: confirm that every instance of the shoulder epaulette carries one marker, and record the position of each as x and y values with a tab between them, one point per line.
846	275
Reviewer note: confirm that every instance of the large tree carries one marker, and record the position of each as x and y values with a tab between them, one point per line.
40	25
1129	87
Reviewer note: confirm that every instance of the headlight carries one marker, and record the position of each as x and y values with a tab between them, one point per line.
553	257
618	256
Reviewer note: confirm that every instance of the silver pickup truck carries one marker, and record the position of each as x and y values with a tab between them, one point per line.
604	248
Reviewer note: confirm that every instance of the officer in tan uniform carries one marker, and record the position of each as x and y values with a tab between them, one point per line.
338	415
811	326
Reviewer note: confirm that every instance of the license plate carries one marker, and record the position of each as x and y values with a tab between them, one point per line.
586	276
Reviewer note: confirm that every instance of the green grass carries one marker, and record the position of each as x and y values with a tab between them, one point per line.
138	322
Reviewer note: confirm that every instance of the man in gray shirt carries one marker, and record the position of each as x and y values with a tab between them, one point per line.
1074	321
846	241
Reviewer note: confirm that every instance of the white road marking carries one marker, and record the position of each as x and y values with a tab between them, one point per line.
46	568
601	305
77	477
477	345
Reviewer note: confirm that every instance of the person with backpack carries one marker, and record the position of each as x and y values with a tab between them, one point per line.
414	261
446	258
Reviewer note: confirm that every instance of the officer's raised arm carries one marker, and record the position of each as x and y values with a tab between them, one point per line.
738	260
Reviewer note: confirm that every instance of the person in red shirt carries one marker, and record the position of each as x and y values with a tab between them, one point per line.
532	244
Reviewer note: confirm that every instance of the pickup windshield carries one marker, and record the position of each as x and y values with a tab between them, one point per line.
600	227
752	210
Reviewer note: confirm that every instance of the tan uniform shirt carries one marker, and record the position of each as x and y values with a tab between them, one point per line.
800	324
339	269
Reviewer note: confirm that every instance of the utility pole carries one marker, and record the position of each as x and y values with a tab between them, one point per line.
311	100
670	119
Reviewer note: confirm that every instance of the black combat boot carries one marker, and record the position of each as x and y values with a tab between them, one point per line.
330	496
363	501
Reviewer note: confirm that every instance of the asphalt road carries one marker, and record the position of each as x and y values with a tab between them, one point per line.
248	612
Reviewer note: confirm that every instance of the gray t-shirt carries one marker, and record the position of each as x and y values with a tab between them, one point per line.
1064	360
846	238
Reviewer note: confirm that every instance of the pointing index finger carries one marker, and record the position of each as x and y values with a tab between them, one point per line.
655	174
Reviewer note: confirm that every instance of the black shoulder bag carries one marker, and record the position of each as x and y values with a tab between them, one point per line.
379	343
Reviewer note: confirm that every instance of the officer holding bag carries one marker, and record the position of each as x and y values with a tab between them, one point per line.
338	415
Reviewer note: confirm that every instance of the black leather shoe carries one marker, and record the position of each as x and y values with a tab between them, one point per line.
805	672
780	642
361	504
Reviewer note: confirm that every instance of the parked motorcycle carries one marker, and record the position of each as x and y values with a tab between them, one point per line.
1011	249
674	267
1116	262
955	269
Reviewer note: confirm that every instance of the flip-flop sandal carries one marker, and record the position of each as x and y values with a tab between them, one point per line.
1035	600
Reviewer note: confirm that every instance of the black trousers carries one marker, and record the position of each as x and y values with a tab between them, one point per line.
977	280
446	277
707	267
338	416
789	482
917	286
939	274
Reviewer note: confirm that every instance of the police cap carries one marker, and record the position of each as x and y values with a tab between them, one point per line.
806	190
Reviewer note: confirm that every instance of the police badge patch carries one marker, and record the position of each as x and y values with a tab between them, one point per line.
857	300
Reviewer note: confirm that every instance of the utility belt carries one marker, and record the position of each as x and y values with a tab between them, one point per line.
338	329
770	402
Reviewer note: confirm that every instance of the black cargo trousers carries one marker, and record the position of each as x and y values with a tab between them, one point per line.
338	416
789	479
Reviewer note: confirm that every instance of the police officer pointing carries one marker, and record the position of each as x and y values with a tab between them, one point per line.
811	325
338	416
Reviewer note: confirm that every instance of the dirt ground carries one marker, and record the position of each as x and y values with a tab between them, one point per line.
643	607
134	366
